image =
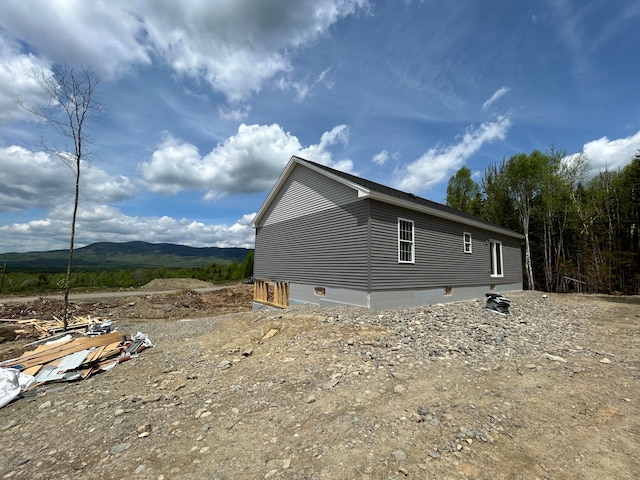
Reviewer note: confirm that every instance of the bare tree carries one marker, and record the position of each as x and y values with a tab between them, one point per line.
73	104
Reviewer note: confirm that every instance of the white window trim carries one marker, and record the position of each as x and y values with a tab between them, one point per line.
492	245
412	242
465	243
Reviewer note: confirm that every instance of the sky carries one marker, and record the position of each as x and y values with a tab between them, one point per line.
206	102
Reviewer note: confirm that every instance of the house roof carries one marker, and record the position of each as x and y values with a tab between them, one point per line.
376	191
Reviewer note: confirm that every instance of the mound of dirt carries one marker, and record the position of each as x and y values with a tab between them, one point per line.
162	284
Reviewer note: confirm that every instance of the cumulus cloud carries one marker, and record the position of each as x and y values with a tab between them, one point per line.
234	46
99	223
605	154
248	162
17	82
494	98
437	164
40	180
104	35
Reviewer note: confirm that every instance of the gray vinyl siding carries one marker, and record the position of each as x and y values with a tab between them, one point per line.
324	248
306	192
439	255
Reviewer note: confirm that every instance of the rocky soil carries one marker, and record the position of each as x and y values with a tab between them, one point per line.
455	391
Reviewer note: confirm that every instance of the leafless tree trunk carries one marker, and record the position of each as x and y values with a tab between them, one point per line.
73	102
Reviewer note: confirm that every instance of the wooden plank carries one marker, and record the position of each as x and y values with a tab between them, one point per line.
85	372
29	359
32	370
103	352
110	351
51	346
94	354
270	333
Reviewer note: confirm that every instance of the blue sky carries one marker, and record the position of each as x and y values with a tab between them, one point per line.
207	101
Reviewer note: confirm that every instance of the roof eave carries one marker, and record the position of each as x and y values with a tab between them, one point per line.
441	214
274	191
362	192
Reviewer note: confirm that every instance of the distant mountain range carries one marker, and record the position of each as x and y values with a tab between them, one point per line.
111	256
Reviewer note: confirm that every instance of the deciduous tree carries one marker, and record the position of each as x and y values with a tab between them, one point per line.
463	193
73	104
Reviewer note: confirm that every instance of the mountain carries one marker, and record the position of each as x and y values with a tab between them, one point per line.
112	256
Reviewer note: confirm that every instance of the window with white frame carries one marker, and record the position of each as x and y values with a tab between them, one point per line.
495	254
466	240
406	242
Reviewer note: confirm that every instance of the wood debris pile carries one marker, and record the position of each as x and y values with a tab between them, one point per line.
70	358
34	327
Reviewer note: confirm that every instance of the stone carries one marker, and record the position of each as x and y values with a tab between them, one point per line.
121	447
399	455
555	358
224	364
399	389
151	398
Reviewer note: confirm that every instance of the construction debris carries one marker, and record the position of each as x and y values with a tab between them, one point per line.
68	358
497	303
46	328
12	383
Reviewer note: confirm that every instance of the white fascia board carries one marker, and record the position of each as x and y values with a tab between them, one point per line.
362	192
276	188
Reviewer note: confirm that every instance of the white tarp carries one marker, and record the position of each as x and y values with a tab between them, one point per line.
12	383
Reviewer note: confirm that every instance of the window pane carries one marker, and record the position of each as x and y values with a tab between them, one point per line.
405	241
492	262
495	254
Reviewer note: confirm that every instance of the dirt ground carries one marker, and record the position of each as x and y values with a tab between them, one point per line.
217	398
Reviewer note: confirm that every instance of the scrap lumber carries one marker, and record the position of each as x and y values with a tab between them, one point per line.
46	328
276	295
50	352
69	359
270	334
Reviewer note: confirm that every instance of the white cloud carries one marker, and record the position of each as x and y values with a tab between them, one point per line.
494	98
605	154
17	82
235	113
235	46
100	223
247	162
104	35
304	88
40	180
437	164
381	158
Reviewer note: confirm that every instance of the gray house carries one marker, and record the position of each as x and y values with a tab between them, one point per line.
328	237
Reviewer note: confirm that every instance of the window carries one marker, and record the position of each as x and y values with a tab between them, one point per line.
466	239
495	253
405	241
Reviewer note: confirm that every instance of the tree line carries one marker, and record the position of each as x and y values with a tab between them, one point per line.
40	282
580	234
